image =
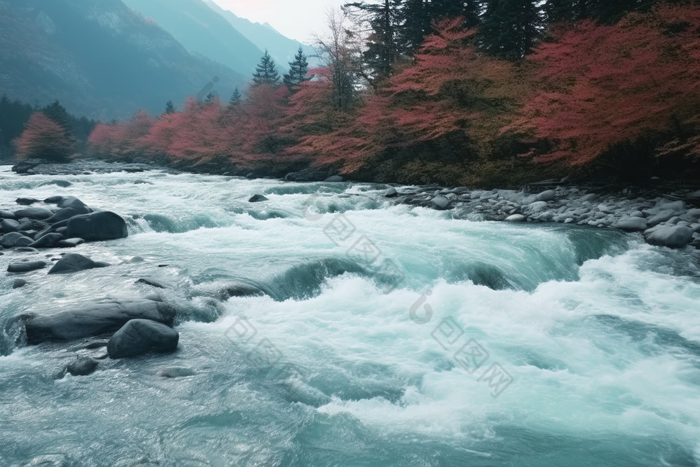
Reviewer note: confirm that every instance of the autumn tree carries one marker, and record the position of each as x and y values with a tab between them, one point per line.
266	71
298	70
43	138
602	86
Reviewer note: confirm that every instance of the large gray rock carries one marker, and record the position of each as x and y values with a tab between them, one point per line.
548	195
516	218
26	266
94	320
53	199
631	224
7	215
97	226
26	201
141	336
440	202
73	262
9	225
672	236
48	241
13	239
67	213
391	193
33	213
662	216
71	202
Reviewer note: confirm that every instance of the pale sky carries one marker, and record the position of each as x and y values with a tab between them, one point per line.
295	19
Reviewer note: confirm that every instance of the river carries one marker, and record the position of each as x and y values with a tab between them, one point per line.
388	336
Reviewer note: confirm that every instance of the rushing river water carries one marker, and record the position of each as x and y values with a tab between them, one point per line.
388	336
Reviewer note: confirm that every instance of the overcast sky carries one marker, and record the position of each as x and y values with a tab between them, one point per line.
297	20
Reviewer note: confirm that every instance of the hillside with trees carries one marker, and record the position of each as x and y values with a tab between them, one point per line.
484	93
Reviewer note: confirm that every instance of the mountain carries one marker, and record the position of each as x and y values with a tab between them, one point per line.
99	58
201	31
281	48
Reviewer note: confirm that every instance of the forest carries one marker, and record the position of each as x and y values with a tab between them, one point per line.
477	92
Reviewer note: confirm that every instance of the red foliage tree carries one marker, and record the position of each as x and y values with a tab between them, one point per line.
122	139
605	85
43	139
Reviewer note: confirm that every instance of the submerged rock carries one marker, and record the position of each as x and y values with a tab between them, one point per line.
82	366
97	226
73	262
94	320
26	267
151	282
140	336
257	199
19	283
176	372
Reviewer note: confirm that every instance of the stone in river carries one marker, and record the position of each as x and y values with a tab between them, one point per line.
33	213
97	226
19	283
67	213
26	201
440	202
7	215
13	239
141	336
70	242
48	241
26	267
257	199
93	320
516	218
9	225
53	199
672	236
82	366
73	262
70	202
391	193
662	216
151	282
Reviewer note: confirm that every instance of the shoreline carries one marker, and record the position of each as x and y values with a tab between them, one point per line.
666	214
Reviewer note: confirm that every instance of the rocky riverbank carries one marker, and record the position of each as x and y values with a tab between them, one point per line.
671	220
127	328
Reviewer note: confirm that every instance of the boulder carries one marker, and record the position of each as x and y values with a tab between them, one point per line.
391	193
672	236
13	239
334	178
73	263
9	225
70	243
537	205
440	202
53	199
240	289
19	283
94	320
631	224
48	241
33	213
26	201
257	199
33	224
141	336
516	218
67	213
71	202
97	226
548	195
7	215
662	216
26	267
82	366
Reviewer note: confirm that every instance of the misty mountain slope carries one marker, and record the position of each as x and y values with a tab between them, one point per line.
201	31
98	57
281	48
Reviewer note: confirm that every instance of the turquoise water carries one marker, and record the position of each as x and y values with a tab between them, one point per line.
484	344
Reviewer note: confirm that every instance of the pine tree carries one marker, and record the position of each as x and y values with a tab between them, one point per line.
60	115
297	70
510	28
266	72
169	108
236	97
